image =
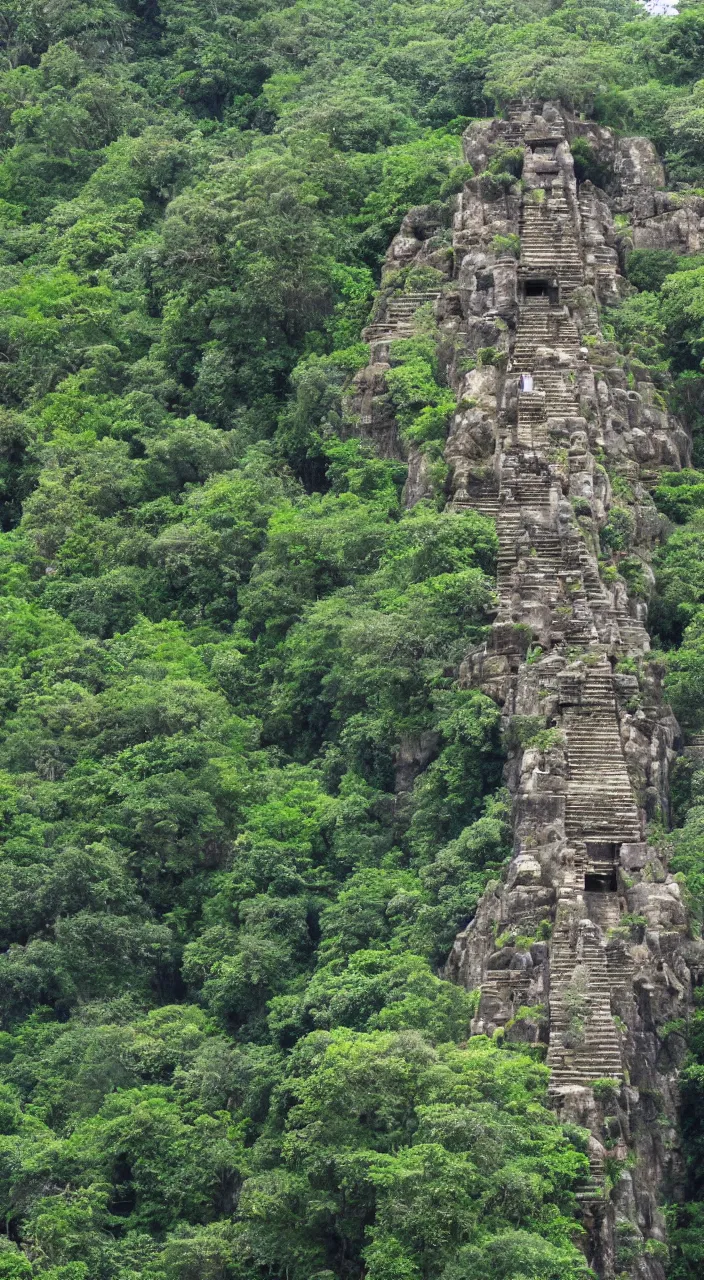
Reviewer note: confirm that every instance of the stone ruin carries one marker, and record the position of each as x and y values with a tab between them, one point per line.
585	946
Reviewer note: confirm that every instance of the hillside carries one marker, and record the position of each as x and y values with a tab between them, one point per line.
303	601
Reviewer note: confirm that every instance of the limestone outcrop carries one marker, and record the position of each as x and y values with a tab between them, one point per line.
585	946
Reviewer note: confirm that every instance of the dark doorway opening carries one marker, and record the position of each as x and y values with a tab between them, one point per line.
605	882
541	287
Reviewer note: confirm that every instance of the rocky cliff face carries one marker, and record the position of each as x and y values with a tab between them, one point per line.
584	947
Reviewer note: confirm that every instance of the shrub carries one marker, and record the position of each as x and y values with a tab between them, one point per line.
507	161
510	245
455	180
647	268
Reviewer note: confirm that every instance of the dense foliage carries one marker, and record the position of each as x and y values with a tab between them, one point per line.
662	325
245	802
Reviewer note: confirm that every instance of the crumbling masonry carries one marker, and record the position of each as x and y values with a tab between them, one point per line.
585	945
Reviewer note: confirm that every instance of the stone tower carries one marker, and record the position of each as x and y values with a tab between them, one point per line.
584	947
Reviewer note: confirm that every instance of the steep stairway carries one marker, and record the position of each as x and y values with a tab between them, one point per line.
508	530
603	909
600	802
584	1043
485	502
542	327
533	331
532	430
560	395
398	319
549	244
538	239
593	1189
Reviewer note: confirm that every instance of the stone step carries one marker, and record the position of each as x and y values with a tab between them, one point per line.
591	1067
613	803
584	734
598	1035
586	748
484	506
600	1032
582	1078
600	1026
592	1059
593	1048
562	963
594	956
600	1020
601	1036
586	752
600	706
609	786
376	333
612	821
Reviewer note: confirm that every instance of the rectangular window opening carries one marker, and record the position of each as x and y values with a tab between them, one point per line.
537	288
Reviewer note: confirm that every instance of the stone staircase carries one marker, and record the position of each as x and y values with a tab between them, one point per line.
508	529
532	432
600	801
634	636
533	331
592	1190
532	490
560	396
542	326
587	1047
486	502
549	243
505	987
398	318
590	576
620	966
538	240
549	549
569	256
512	128
603	909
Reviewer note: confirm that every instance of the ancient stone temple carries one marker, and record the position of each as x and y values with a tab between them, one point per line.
584	946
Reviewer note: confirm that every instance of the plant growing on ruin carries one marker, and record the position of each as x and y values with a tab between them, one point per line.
507	160
489	355
455	180
509	245
606	1090
617	533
